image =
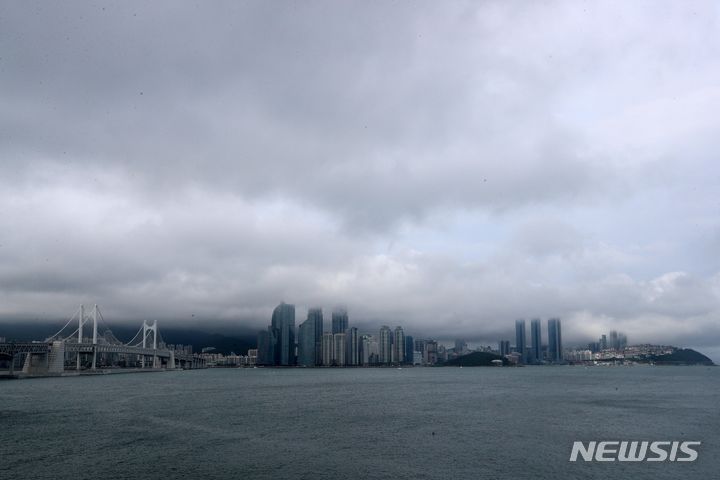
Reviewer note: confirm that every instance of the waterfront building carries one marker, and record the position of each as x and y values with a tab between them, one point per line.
339	349
622	341
555	351
536	341
352	350
520	337
339	320
316	314
461	347
264	355
409	349
306	342
442	354
369	350
385	345
504	347
614	344
398	354
417	358
327	349
430	353
283	322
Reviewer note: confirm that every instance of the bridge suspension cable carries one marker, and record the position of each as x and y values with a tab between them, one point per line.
138	333
64	327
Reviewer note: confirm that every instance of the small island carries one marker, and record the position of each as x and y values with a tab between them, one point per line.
477	359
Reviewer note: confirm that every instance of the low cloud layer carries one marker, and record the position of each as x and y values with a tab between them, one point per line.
447	167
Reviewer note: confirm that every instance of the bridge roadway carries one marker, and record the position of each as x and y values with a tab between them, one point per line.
11	349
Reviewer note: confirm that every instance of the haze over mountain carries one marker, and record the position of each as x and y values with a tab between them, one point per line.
449	167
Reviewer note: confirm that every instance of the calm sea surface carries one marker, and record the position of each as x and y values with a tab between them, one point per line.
355	423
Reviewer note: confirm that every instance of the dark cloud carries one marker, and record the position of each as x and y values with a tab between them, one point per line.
448	167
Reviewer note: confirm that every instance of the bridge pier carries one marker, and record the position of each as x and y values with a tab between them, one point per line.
56	358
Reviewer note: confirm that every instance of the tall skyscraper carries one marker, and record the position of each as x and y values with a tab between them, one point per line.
504	347
614	343
622	341
264	356
328	348
536	340
368	350
385	345
339	320
398	355
430	352
555	351
316	315
409	349
283	322
306	342
520	337
352	350
339	340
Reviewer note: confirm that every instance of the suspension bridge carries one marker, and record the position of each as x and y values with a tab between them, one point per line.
98	351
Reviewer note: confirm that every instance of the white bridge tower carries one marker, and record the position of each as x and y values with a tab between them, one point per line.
150	328
82	321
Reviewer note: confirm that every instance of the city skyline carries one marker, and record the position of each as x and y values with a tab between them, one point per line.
284	329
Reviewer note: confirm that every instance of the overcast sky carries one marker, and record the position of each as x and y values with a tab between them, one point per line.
445	166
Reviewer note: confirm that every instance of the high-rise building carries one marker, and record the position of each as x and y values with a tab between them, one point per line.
409	349
264	356
555	352
283	322
504	347
339	349
398	354
339	320
536	340
328	348
430	353
603	342
368	350
460	347
614	344
442	354
306	342
385	345
622	341
352	350
520	337
316	315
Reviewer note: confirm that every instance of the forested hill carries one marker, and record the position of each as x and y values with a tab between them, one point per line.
682	356
475	359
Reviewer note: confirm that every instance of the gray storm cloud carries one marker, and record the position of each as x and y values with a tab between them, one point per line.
449	167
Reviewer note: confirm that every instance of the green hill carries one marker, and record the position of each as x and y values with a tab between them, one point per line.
682	356
475	359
